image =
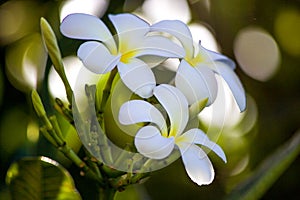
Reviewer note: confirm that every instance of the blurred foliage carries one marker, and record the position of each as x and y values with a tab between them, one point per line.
40	178
277	101
267	173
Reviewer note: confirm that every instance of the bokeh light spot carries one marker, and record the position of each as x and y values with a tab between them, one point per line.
33	131
93	7
287	30
156	10
257	53
240	166
17	20
73	66
203	34
248	121
10	21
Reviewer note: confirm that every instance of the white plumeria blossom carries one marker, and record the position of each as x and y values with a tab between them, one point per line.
157	141
196	73
104	51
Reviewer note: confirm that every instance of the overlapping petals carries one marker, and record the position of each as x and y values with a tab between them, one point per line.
157	142
137	76
152	144
137	111
201	83
179	30
197	136
130	31
87	27
136	48
106	52
89	54
177	109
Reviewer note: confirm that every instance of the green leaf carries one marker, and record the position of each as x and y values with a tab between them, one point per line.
268	172
40	178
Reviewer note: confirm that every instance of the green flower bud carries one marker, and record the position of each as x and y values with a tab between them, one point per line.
51	45
39	109
55	55
37	104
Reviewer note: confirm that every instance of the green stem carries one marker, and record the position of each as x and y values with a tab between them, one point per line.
106	91
69	153
53	133
142	174
107	193
62	109
93	163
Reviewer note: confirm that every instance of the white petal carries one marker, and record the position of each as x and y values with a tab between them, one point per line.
179	30
197	164
233	82
160	46
197	136
138	77
87	27
96	57
130	29
176	105
137	111
196	83
151	144
219	57
209	57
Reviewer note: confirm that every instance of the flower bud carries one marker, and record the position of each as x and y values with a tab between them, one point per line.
37	104
55	55
51	45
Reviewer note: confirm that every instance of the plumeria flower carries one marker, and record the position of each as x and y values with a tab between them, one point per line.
104	52
196	73
157	141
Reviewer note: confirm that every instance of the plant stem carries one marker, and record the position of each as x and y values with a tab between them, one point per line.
107	193
106	91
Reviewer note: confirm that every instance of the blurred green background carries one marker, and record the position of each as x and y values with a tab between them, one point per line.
263	37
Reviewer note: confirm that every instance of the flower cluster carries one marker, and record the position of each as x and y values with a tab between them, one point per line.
135	50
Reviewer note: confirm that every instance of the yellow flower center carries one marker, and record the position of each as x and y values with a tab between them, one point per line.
125	58
173	131
196	60
179	139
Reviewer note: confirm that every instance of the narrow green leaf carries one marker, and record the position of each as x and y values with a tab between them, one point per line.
268	172
40	178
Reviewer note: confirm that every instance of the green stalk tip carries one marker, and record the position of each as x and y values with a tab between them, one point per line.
37	104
